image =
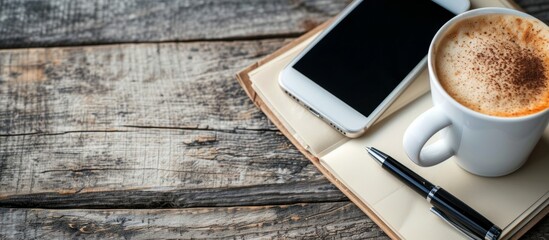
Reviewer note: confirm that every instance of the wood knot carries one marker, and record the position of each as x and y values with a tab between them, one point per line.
200	140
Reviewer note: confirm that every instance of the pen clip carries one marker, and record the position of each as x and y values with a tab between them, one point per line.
456	225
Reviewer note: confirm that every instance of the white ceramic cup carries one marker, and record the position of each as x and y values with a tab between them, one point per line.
482	144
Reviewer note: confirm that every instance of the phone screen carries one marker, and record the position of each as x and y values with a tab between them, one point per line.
364	57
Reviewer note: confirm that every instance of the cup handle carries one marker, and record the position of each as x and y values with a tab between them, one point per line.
420	131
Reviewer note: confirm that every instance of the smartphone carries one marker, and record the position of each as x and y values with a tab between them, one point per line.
356	67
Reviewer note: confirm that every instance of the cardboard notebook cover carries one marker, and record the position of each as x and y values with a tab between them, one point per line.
514	202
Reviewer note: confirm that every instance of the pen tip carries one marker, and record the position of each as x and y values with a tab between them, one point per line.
370	150
376	154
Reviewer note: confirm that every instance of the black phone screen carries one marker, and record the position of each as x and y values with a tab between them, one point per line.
364	57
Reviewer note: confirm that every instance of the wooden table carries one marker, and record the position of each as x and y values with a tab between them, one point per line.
123	119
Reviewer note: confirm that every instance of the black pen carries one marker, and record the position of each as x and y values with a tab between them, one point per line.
445	205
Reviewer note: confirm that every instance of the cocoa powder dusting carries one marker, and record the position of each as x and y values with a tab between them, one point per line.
499	68
512	64
529	72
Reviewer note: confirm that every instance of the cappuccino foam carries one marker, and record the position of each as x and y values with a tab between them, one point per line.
496	64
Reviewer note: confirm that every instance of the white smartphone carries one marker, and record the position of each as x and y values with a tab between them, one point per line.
356	67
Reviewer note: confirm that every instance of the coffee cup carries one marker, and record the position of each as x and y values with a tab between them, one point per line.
489	79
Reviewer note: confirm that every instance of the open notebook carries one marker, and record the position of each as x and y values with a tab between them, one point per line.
514	202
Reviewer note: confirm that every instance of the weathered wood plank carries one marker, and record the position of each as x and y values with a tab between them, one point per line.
334	220
109	121
156	168
303	221
170	197
32	23
192	85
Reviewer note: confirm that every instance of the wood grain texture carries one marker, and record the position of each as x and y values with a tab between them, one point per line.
31	23
192	85
332	220
300	221
152	168
142	119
